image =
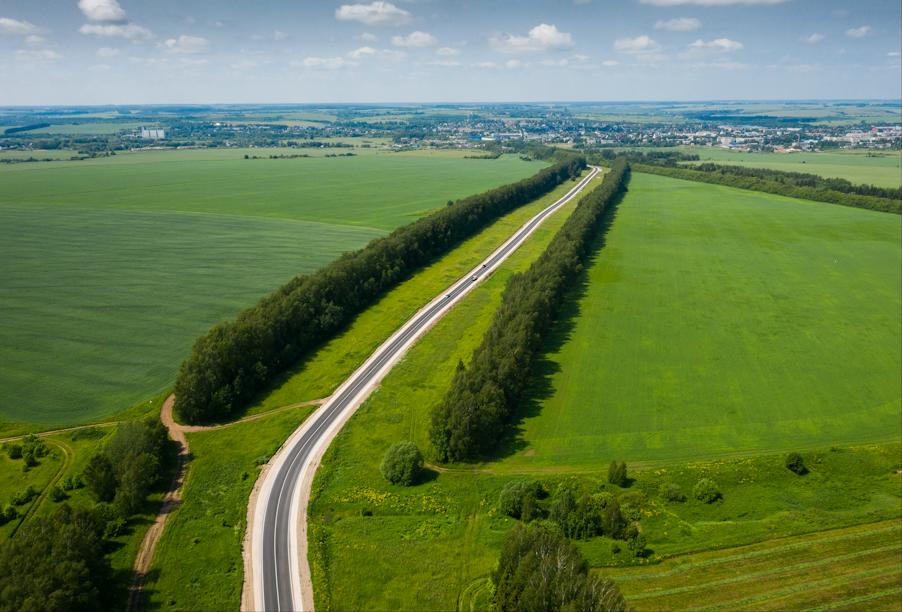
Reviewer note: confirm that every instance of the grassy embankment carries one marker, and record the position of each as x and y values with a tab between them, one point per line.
198	562
669	305
117	264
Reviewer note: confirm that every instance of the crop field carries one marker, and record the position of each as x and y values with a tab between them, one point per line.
113	266
854	568
881	168
722	321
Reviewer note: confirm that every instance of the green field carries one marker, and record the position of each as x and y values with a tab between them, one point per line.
717	321
881	168
854	568
114	266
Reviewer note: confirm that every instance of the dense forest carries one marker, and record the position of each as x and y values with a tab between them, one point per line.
477	409
237	359
791	184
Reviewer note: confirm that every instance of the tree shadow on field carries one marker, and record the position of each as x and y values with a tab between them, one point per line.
543	369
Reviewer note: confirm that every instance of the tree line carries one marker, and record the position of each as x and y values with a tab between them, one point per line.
476	411
743	178
236	359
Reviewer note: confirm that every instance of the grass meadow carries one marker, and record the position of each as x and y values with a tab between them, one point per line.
113	266
377	546
881	168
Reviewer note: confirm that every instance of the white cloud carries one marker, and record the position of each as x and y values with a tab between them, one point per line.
187	44
813	39
445	63
610	63
244	64
362	52
128	30
102	10
859	32
893	54
712	2
375	13
279	35
38	55
324	63
485	65
34	39
365	52
415	39
679	24
637	45
367	37
513	63
107	52
718	45
447	51
543	37
16	27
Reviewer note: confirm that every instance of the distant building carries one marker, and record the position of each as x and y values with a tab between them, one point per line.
153	133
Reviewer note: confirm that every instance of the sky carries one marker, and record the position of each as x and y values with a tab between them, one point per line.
315	51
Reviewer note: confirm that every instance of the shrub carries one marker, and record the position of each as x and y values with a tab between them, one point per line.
518	499
795	463
14	451
402	464
20	499
8	514
57	494
671	492
705	490
617	474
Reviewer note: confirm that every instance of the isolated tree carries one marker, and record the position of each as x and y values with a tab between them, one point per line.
402	464
518	499
705	490
100	478
795	463
617	474
672	492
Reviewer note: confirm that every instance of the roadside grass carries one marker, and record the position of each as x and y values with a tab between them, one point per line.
855	567
319	374
720	321
881	168
115	265
198	564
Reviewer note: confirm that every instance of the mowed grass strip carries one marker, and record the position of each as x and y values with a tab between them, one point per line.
804	572
723	321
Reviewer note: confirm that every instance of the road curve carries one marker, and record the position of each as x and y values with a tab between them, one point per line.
276	569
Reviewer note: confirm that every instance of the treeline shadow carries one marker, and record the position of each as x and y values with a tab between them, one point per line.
543	369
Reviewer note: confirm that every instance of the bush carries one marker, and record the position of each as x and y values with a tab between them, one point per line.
14	451
705	490
671	492
795	463
518	499
402	464
20	499
617	474
57	494
8	514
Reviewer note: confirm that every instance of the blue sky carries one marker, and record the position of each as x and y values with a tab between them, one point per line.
204	51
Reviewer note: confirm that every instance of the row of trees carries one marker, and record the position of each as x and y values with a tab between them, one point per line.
738	177
540	571
475	413
804	179
235	360
663	158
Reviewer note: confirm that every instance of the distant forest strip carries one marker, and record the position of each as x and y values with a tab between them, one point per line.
478	407
25	128
237	359
790	184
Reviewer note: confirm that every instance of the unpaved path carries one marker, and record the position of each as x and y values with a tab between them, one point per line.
173	498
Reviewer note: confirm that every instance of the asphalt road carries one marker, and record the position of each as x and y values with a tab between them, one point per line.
277	573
